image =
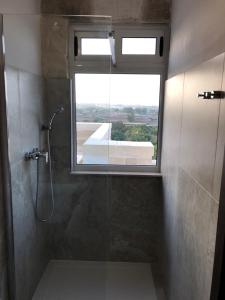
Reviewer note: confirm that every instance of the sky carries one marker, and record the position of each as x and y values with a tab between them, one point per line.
117	89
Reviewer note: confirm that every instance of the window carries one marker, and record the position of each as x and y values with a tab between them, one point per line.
116	105
92	46
121	117
139	46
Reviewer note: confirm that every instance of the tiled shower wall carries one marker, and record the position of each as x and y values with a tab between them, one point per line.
193	148
100	217
10	7
25	114
3	256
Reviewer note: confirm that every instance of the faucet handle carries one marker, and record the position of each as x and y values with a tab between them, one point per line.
35	154
45	154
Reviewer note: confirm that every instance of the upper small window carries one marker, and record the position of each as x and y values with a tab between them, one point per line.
95	46
139	46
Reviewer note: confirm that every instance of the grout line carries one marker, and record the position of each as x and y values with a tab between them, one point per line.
200	186
181	121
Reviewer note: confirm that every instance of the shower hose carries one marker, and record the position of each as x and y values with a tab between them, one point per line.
51	213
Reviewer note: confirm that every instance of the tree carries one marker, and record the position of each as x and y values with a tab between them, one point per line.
118	131
131	117
135	133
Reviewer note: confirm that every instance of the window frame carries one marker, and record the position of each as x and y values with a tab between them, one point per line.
126	64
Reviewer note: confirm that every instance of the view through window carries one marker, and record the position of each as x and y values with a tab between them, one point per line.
117	118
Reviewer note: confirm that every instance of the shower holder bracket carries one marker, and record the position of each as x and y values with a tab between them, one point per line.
212	95
36	154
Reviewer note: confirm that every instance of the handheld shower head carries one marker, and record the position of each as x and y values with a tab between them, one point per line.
59	110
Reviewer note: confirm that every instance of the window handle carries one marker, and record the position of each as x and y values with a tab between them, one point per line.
75	46
161	46
212	95
112	47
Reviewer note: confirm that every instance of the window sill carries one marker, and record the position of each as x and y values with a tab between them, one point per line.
139	174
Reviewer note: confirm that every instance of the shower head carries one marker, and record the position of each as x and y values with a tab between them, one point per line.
59	110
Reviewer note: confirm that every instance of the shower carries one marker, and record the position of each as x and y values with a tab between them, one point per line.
59	110
36	154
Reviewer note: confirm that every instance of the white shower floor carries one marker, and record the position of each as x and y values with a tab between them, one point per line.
82	280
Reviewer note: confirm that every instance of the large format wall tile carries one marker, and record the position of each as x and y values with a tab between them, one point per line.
22	34
220	147
200	122
193	241
31	110
30	236
135	221
25	115
3	248
196	33
170	163
13	112
20	7
172	130
80	221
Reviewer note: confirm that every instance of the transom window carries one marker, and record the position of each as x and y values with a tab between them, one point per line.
139	46
95	46
117	79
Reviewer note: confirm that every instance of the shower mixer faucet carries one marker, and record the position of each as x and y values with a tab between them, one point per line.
35	154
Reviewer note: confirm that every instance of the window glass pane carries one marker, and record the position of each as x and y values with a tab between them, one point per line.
139	46
92	110
123	131
93	46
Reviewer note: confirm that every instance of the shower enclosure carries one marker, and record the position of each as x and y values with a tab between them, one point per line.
103	235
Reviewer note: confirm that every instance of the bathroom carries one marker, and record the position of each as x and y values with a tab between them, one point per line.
104	197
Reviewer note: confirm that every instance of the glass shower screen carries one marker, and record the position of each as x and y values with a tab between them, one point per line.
90	68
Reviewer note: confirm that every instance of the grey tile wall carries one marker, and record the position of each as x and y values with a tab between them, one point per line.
104	218
196	33
121	11
100	217
3	255
200	122
25	112
192	166
136	219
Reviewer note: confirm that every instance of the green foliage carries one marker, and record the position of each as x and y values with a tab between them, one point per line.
131	116
130	113
138	133
118	131
135	133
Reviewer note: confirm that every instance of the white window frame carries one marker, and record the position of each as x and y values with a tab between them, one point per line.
125	64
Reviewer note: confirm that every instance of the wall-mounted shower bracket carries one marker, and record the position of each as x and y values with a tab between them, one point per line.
212	95
111	37
35	154
45	127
